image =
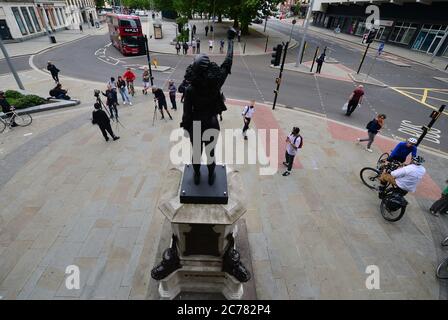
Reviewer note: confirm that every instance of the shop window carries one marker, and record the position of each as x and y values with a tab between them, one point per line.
34	17
19	20
360	29
402	33
26	16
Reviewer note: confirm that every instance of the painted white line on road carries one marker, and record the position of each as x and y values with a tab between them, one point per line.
27	134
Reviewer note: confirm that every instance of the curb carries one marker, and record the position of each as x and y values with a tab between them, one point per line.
391	53
58	104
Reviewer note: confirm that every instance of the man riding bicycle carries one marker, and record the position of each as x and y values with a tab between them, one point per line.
7	108
402	150
405	179
129	76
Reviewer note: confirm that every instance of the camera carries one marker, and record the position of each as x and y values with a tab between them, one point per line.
96	93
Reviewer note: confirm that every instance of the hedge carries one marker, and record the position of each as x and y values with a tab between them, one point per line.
20	101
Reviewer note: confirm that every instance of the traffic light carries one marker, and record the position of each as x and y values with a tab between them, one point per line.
277	55
371	35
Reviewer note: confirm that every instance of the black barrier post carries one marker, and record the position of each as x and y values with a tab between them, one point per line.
266	47
303	52
363	57
279	79
314	59
434	116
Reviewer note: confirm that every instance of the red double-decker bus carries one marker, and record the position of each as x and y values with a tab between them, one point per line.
125	33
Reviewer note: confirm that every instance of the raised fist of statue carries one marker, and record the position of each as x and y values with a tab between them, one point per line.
231	33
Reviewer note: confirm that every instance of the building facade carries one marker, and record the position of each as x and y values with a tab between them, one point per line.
22	19
420	25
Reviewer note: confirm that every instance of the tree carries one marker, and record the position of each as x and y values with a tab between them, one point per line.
99	3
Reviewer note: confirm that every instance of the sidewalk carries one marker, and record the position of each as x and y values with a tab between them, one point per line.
36	45
71	198
253	44
419	57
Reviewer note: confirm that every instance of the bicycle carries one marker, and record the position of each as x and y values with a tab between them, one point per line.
393	205
130	85
22	120
442	269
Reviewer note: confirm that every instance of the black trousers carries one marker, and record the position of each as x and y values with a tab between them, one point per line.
173	100
440	205
352	104
246	124
55	77
289	159
211	123
319	67
113	109
106	128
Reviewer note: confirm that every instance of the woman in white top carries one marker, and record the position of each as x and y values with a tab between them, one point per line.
210	45
293	143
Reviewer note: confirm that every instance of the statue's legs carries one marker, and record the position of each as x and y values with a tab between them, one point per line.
210	144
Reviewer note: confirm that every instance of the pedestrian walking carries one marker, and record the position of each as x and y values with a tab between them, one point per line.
122	88
239	35
185	47
182	87
206	30
161	101
211	29
194	30
111	102
221	46
193	46
198	46
293	143
54	71
355	99
80	27
248	113
441	205
210	45
373	127
145	79
177	48
172	91
320	61
113	86
100	118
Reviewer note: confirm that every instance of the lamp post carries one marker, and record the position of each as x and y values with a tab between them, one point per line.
10	65
307	23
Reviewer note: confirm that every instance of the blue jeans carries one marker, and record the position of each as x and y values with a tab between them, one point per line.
125	95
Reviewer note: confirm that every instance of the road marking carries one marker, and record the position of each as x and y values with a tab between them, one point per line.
27	134
415	130
422	99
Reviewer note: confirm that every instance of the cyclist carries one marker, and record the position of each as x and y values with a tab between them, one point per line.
403	149
7	109
129	76
405	179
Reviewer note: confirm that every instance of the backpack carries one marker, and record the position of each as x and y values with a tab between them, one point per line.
395	202
301	141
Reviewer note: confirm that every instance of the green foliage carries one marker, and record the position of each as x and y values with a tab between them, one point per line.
20	101
99	3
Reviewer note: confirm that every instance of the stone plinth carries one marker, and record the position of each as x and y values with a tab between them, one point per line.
202	232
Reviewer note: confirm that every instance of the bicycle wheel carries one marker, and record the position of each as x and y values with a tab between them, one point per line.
23	119
381	160
2	125
370	177
391	216
442	270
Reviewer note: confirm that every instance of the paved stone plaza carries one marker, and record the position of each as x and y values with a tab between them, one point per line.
68	198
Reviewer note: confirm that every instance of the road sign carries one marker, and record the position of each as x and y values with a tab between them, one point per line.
381	48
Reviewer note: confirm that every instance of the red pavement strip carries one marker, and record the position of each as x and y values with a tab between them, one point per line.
264	119
427	189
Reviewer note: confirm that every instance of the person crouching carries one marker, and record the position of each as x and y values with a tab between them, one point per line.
100	118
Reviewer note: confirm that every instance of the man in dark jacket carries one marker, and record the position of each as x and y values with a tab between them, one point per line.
161	100
7	108
111	102
59	93
54	71
100	118
203	102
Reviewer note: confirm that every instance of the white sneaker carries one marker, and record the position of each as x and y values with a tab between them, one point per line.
370	150
358	140
130	103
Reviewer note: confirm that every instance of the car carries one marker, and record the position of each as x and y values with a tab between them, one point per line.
257	20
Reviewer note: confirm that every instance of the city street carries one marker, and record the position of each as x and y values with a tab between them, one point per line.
70	198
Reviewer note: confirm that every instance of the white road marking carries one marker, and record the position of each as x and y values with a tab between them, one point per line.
27	134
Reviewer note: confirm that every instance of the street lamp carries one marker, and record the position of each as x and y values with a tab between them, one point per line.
307	23
10	65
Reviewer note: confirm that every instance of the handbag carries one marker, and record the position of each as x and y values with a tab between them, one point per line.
345	106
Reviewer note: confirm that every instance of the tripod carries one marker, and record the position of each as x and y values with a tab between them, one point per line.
98	99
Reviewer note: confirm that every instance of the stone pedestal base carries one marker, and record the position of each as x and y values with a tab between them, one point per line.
200	279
